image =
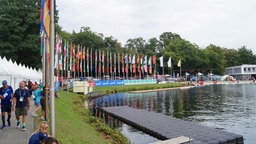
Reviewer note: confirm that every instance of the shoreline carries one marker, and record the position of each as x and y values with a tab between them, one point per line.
187	87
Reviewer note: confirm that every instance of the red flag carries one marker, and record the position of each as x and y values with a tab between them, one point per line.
154	59
102	61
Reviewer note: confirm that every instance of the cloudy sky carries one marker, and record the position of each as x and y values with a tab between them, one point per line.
227	23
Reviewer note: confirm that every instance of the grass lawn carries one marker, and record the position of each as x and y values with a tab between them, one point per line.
126	88
72	125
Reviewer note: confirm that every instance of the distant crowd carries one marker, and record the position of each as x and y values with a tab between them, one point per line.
19	101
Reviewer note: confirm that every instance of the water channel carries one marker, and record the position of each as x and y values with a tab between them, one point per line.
228	107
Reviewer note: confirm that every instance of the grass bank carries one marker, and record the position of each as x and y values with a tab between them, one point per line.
127	88
75	125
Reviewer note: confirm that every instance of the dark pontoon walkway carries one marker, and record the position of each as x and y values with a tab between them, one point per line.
165	127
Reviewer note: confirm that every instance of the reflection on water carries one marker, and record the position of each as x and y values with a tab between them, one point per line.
228	107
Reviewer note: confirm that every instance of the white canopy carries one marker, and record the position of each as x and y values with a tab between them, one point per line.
14	73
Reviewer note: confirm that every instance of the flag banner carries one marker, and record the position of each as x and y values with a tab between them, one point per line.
81	65
107	64
83	54
45	18
179	63
138	61
123	62
110	61
141	64
74	58
161	61
150	65
91	61
130	61
87	61
64	55
154	59
71	54
103	62
133	64
96	62
115	63
169	62
99	68
118	62
145	64
60	62
77	58
80	53
133	59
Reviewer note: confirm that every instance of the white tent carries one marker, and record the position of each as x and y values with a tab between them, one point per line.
14	73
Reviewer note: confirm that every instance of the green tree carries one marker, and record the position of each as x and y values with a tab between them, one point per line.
232	57
19	31
246	56
88	38
136	45
111	43
216	61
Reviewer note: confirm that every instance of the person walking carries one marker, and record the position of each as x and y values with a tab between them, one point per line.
37	94
6	94
21	102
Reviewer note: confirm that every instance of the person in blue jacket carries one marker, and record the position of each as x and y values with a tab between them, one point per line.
39	135
6	94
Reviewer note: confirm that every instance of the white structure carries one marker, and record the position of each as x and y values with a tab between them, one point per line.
242	72
14	73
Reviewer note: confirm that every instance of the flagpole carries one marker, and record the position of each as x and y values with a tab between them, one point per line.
52	97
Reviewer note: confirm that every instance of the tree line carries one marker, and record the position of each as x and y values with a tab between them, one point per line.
20	41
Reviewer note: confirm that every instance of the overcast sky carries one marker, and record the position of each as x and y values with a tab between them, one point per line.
227	23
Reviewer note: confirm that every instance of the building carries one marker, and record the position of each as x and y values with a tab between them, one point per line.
242	72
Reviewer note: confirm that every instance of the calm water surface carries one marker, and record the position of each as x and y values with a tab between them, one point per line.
228	107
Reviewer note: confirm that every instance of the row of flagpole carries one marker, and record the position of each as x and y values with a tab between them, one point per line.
79	60
76	59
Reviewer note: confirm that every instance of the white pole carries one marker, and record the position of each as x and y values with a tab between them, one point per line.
52	96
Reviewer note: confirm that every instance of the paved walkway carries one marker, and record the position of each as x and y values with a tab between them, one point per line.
14	135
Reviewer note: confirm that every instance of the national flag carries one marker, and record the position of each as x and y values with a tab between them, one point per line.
115	63
60	62
118	62
91	61
102	62
138	62
154	59
169	62
96	62
179	63
64	55
87	60
141	64
126	59
145	64
150	65
123	62
130	59
110	61
107	63
161	61
58	44
71	56
81	65
45	18
133	59
99	67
